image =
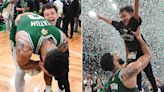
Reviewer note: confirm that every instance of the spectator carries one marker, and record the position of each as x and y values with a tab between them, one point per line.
70	15
23	6
101	86
37	5
59	6
77	21
7	10
87	83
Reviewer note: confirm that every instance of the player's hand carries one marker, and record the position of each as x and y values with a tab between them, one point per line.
137	33
41	65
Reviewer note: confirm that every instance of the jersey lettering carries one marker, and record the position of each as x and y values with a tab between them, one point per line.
35	17
40	23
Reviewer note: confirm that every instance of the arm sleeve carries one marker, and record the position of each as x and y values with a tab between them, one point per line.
115	24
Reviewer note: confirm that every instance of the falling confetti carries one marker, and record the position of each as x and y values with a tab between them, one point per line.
92	14
100	37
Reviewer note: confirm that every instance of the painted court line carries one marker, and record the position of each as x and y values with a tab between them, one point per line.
74	52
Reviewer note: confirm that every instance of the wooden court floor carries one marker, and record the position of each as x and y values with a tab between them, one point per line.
36	83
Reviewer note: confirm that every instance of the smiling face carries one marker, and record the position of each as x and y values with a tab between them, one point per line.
126	13
125	17
50	15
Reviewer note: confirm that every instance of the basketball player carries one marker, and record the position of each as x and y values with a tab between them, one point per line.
124	78
33	34
129	23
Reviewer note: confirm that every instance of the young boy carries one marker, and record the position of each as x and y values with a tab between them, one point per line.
129	23
50	13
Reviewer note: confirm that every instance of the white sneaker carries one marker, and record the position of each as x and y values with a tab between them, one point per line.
142	90
159	90
59	90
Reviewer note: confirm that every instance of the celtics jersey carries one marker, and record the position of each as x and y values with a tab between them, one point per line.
116	84
37	29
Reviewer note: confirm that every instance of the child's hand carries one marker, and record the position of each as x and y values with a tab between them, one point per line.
41	65
98	16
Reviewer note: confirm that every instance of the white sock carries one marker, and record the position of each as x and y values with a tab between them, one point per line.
159	90
48	89
19	78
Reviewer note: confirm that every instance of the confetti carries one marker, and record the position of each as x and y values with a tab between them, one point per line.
100	37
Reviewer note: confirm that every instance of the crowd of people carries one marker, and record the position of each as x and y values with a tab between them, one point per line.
67	11
93	83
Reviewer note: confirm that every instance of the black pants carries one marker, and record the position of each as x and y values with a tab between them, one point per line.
66	22
149	73
63	81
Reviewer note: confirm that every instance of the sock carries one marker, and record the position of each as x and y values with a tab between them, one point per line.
48	89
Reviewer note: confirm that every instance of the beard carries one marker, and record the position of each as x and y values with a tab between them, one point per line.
121	62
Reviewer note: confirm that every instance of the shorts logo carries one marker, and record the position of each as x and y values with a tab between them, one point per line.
127	37
44	32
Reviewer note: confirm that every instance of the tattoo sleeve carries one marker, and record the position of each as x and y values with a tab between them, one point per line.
131	70
19	46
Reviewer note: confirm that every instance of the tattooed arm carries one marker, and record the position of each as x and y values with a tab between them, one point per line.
21	15
24	52
134	68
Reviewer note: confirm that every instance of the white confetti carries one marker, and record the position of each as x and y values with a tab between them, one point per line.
100	37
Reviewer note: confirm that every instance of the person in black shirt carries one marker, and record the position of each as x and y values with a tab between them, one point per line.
130	21
22	6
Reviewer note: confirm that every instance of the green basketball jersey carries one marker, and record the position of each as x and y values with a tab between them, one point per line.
116	84
37	29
